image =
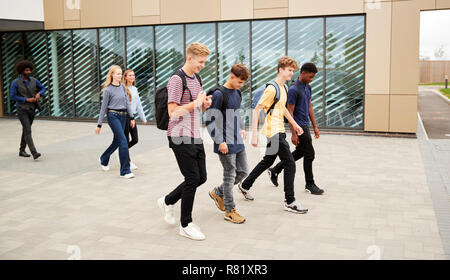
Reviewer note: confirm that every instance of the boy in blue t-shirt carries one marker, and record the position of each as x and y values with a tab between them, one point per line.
228	131
300	106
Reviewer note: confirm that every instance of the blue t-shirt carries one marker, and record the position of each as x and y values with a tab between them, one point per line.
301	101
229	130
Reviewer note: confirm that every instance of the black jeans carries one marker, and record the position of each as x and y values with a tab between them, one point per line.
131	131
289	165
26	117
303	150
134	134
191	161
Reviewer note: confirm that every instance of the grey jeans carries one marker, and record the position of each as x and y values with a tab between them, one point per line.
235	169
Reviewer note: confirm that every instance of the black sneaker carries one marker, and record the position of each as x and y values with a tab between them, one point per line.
24	154
36	155
273	176
313	189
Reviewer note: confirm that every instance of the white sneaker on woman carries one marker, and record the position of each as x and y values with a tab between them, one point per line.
133	166
104	167
167	211
192	231
127	176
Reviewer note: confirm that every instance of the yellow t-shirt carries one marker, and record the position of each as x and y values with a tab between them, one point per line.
274	122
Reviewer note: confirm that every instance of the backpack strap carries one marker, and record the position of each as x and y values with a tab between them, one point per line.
277	96
182	75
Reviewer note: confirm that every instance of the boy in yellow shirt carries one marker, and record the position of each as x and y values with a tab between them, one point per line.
274	130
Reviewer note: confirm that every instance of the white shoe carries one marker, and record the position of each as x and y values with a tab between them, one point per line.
192	231
167	211
295	207
104	167
127	176
133	166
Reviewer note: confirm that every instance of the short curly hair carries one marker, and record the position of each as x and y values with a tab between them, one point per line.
24	64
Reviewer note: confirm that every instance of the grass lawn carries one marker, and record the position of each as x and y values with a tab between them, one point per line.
446	92
433	84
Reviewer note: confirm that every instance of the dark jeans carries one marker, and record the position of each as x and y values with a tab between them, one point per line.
191	161
133	132
26	117
303	150
285	155
117	123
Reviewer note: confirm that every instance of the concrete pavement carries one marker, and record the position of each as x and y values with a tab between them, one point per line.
377	203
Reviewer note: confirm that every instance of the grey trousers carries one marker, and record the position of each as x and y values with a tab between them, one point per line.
235	169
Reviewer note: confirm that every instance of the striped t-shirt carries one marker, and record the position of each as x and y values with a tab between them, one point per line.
187	125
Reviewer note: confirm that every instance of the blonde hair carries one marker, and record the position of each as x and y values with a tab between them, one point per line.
125	82
109	77
197	48
287	61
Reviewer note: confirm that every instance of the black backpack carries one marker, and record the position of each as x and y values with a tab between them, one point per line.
161	101
224	94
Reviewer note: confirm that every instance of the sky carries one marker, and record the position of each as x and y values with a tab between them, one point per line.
434	34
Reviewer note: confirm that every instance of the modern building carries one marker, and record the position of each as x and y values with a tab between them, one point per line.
367	52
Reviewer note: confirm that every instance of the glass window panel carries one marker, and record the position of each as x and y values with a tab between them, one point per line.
60	97
87	90
112	50
169	52
205	34
268	46
140	60
305	44
234	47
345	71
35	46
12	53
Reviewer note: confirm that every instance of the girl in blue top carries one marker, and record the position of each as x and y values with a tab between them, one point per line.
129	81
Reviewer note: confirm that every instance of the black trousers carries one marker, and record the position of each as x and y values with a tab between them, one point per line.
133	132
134	135
191	161
303	150
26	117
276	146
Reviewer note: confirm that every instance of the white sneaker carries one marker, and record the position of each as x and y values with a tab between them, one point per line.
104	167
295	207
167	211
133	166
192	231
127	176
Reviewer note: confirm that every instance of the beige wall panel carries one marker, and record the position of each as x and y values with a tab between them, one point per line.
53	14
101	13
178	11
267	4
403	113
71	13
378	49
442	4
271	13
324	7
405	48
145	7
376	112
71	24
236	9
146	20
426	4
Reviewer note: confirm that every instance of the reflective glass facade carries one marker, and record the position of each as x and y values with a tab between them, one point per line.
72	64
